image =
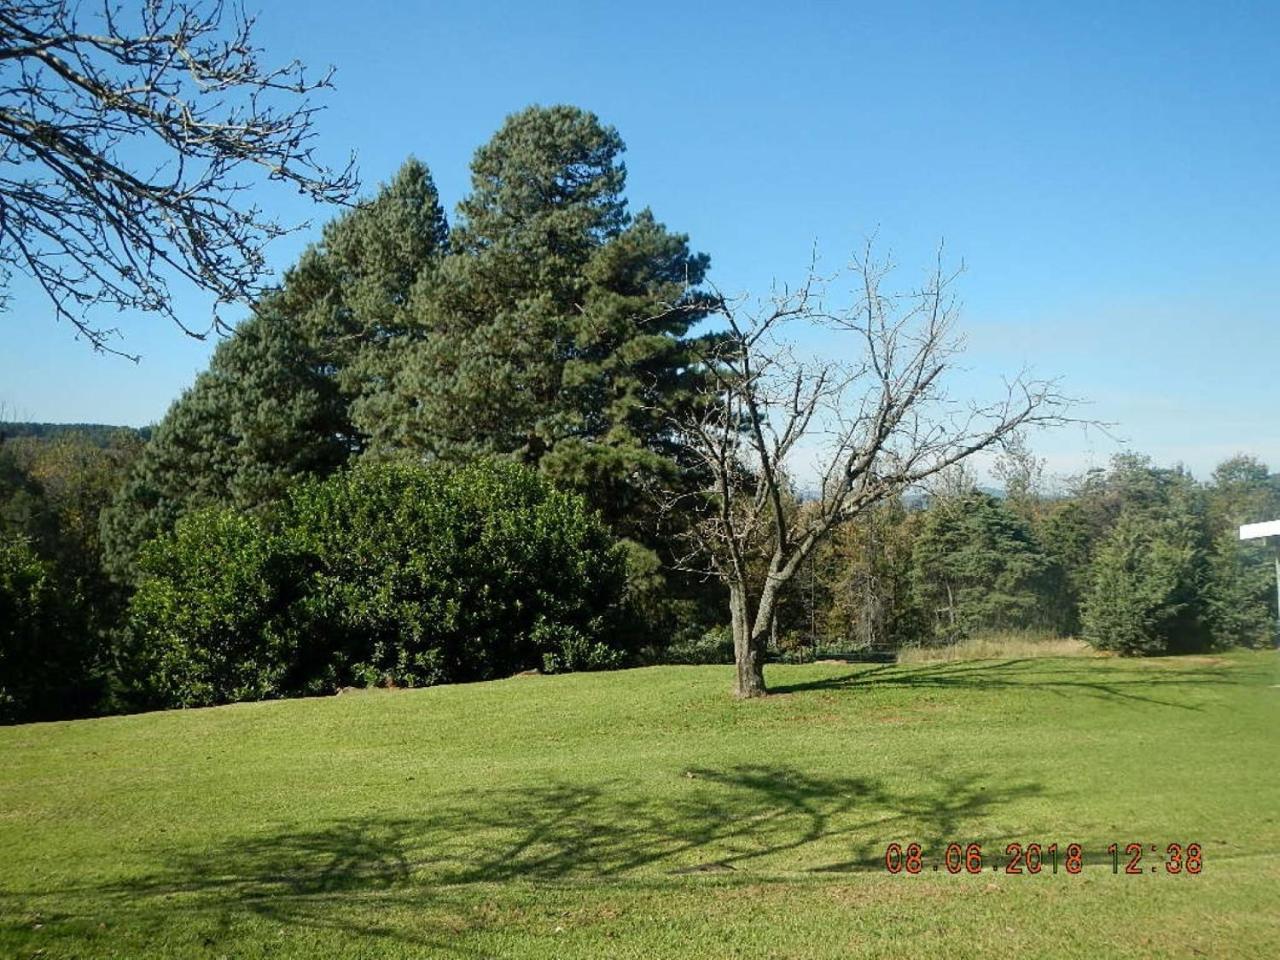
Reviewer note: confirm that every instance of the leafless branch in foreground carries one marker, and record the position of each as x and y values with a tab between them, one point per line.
128	139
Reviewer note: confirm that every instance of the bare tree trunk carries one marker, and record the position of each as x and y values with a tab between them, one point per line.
888	425
748	646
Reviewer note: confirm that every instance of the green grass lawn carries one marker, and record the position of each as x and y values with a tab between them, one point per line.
646	814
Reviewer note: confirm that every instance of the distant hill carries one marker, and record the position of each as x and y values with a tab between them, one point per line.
100	433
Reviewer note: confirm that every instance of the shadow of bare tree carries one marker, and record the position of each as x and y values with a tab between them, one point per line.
1134	681
747	821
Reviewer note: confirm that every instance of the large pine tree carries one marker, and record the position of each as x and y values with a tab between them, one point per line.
554	330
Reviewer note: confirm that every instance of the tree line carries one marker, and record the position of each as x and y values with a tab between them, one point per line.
1135	558
541	414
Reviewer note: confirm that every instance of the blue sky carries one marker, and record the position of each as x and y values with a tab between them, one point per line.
1109	173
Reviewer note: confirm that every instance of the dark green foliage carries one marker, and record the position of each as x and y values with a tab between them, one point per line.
350	293
977	565
627	370
659	612
421	575
554	329
1148	589
1146	592
1241	591
1218	593
389	573
1134	483
277	400
52	489
483	369
264	412
1241	580
31	624
1068	535
51	665
210	620
186	465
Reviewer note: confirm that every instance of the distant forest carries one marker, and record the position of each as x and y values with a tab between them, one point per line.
99	433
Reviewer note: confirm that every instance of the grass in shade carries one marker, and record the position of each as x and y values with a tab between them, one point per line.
644	814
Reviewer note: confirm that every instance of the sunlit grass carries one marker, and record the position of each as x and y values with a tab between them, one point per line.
645	813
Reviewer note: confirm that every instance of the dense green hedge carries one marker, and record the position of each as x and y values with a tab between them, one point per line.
395	574
212	620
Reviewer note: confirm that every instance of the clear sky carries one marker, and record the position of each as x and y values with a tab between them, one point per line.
1109	173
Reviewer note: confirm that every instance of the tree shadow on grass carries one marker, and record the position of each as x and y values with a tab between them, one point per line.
1066	676
378	877
746	818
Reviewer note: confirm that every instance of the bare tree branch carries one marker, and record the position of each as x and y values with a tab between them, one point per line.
880	418
127	141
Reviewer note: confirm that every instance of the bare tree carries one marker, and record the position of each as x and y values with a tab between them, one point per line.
1021	473
869	409
128	139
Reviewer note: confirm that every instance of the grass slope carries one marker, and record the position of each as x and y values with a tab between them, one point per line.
645	814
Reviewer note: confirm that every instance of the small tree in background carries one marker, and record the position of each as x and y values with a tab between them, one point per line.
976	564
865	570
1241	583
32	674
1241	588
53	489
1021	473
1146	592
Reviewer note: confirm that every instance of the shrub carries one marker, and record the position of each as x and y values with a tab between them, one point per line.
209	622
394	574
713	646
420	575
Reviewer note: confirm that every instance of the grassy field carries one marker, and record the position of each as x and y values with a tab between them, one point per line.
645	814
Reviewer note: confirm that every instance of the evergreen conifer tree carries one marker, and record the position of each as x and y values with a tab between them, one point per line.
278	398
554	331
